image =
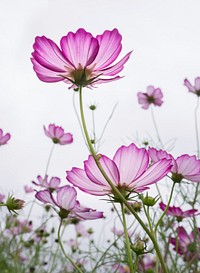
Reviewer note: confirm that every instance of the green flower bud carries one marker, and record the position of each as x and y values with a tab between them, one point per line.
14	204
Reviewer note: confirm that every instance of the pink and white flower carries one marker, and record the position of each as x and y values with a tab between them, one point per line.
184	243
4	138
129	171
184	166
52	184
69	206
83	60
57	134
193	88
178	212
152	96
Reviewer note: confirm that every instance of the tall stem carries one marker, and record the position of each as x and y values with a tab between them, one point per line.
49	159
156	128
115	190
128	248
63	250
196	126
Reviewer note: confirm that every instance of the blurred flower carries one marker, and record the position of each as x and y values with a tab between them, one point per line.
184	166
4	138
2	197
28	189
129	171
120	232
152	96
146	264
51	185
81	230
67	203
193	88
178	212
15	226
187	245
14	204
120	268
57	134
82	60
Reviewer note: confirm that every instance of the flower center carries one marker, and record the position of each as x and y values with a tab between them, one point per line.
150	99
81	76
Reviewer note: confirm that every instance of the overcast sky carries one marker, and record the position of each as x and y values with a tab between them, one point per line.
165	39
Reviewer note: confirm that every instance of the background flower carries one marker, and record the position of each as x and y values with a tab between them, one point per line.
193	88
4	138
152	96
57	134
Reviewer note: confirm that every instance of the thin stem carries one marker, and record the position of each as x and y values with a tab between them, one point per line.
196	126
49	159
136	264
127	242
156	128
115	191
167	207
63	250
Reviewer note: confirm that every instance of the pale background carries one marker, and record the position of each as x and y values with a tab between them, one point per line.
165	39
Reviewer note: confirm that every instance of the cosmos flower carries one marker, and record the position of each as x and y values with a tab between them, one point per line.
193	88
184	243
184	166
57	134
52	184
4	138
28	189
178	212
83	60
152	96
129	171
66	202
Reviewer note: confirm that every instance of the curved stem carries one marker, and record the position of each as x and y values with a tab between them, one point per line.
196	126
49	159
156	128
115	190
63	250
136	264
167	207
127	242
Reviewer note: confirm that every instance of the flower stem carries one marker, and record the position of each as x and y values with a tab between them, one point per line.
156	128
115	190
167	207
136	264
127	242
63	250
49	159
196	126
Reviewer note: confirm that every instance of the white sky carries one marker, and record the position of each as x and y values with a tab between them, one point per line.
165	38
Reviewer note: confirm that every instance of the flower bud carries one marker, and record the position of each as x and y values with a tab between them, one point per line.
14	204
148	200
139	246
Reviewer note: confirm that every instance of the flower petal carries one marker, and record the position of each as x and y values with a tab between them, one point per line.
66	198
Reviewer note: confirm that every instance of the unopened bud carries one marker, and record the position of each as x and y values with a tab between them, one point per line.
14	204
138	247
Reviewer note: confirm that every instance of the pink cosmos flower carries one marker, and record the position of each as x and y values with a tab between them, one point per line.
83	60
184	166
66	201
193	88
28	189
4	138
146	263
128	170
178	212
120	232
52	184
152	96
184	244
57	134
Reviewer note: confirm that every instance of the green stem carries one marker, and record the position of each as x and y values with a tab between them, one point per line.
196	126
156	128
136	264
115	191
127	242
49	159
167	207
63	250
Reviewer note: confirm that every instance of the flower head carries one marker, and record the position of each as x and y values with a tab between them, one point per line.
185	244
193	88
184	166
51	185
14	204
83	60
66	201
57	134
152	96
178	212
129	171
4	138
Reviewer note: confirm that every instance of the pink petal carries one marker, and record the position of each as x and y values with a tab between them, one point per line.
54	182
189	86
94	173
67	138
152	175
66	198
189	213
78	178
188	165
150	90
131	162
79	48
197	84
109	48
45	196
